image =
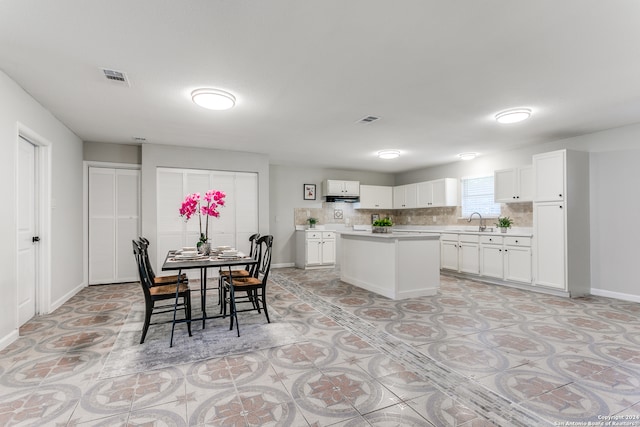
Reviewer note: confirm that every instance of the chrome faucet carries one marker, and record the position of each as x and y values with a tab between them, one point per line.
482	227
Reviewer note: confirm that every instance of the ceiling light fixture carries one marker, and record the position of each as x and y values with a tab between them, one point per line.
514	115
467	156
213	99
388	154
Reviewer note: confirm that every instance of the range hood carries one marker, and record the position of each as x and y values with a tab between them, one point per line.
343	199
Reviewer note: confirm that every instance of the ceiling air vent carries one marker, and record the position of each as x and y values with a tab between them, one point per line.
368	119
115	76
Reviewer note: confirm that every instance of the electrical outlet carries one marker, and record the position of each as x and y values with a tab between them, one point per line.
434	218
408	219
308	213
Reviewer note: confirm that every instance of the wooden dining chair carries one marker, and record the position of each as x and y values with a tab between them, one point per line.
254	287
157	280
241	273
156	293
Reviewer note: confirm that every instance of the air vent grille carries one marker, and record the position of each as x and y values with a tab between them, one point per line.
368	119
116	76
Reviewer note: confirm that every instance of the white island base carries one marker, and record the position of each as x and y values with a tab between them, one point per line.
397	266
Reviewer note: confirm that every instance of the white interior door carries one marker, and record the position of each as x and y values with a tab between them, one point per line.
27	230
113	223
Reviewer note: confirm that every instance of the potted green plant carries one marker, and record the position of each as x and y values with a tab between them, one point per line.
312	222
504	223
382	225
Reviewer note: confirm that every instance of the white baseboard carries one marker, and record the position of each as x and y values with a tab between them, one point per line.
9	338
66	297
616	295
284	265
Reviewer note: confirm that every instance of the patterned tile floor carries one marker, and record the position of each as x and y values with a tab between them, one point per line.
474	355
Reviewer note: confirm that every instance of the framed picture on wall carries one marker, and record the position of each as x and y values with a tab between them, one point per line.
309	191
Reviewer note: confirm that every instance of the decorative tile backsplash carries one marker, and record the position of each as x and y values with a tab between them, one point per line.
344	213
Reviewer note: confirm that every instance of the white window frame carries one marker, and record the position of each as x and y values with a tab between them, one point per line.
486	213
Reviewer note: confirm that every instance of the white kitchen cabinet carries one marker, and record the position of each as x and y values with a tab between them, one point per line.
517	259
549	176
469	254
513	185
315	249
460	253
437	193
449	252
549	223
506	258
333	187
561	247
491	257
405	196
375	197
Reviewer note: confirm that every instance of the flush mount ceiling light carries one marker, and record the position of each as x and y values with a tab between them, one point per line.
467	156
388	154
213	99
514	115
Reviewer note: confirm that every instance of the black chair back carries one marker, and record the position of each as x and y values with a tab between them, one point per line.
144	245
143	272
265	245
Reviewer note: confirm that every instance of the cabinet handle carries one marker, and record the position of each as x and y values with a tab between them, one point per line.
560	206
513	197
517	197
516	241
506	250
559	195
490	239
499	250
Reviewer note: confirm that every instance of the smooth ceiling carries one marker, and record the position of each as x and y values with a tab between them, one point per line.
304	73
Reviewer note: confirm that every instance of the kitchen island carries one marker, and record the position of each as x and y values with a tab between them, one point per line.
395	265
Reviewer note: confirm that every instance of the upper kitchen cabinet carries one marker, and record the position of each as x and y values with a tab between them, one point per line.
333	187
513	185
405	196
440	192
375	197
549	176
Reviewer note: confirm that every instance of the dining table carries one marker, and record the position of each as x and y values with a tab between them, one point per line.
173	262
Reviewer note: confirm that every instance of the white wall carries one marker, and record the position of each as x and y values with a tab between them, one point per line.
16	106
154	156
285	194
615	231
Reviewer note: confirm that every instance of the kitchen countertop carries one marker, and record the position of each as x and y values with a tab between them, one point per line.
406	235
523	232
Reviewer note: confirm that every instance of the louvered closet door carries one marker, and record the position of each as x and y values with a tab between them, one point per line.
113	222
237	221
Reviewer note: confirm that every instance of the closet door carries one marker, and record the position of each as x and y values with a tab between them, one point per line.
238	218
246	209
113	222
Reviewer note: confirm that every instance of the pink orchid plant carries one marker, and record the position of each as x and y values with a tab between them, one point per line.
208	206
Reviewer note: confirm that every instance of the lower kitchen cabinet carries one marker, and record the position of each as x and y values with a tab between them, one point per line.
494	257
449	252
459	253
506	258
315	249
468	254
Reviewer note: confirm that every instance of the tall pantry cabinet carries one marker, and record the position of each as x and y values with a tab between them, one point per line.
561	222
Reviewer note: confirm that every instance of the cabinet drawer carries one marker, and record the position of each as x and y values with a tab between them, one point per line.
328	235
517	241
491	240
448	236
314	234
471	238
